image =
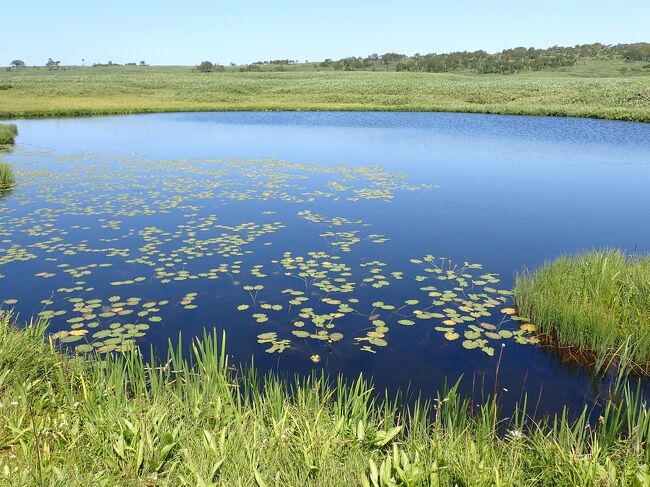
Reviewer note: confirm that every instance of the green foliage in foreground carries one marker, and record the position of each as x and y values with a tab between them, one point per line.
598	301
31	92
8	133
116	421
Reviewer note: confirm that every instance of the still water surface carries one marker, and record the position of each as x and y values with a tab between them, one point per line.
164	222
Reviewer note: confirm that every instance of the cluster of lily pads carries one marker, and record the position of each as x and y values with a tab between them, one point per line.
107	317
133	224
457	300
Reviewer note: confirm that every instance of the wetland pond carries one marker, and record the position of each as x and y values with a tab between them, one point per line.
382	243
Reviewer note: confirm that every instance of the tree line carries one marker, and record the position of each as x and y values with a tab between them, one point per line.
505	62
508	61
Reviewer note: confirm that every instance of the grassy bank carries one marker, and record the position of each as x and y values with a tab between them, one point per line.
88	421
8	133
34	92
597	301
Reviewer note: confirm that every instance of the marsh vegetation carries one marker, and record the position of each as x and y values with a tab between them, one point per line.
110	90
598	301
6	177
193	420
8	133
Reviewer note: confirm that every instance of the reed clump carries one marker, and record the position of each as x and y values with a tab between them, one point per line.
598	301
8	134
7	178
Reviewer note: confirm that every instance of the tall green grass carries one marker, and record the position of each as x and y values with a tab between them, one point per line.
597	301
6	176
116	420
8	134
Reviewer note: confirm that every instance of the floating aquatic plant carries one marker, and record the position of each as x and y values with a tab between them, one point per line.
165	224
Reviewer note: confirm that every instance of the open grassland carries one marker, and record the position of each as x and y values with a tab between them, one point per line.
79	421
31	92
598	301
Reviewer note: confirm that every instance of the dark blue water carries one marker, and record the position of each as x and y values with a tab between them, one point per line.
513	192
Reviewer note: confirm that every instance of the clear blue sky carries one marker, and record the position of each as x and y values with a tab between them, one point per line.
186	32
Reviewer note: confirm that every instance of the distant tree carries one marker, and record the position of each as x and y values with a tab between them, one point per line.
17	63
636	52
205	67
391	57
142	63
83	60
52	64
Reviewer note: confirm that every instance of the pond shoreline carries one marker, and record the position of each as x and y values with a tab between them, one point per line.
94	112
